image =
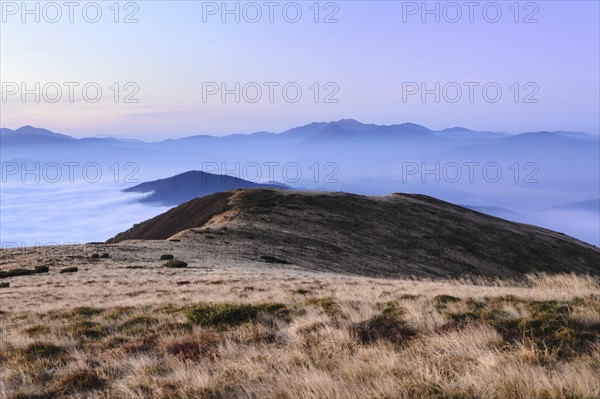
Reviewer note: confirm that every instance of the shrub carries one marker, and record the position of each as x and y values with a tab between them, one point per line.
175	264
86	311
548	326
4	285
41	269
85	329
72	269
444	299
105	256
383	327
95	256
231	314
134	267
43	351
166	257
15	273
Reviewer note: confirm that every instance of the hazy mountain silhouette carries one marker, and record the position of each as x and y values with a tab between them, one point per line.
498	212
186	186
592	205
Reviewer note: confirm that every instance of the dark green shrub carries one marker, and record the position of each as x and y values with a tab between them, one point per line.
72	269
548	325
4	285
95	256
105	256
175	264
41	269
225	314
15	273
166	257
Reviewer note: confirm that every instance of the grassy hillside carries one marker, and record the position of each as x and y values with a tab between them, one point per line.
394	236
117	329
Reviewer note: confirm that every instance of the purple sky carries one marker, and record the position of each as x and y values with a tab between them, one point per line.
370	65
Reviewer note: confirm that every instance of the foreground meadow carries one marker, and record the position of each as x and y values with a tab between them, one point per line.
114	329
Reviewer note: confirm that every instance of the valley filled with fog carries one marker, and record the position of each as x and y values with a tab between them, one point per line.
58	189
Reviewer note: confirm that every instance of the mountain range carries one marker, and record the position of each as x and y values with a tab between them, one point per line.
310	133
521	173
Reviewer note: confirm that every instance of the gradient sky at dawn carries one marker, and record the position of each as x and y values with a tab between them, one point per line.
368	55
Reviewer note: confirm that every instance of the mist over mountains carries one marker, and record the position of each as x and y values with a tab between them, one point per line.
526	175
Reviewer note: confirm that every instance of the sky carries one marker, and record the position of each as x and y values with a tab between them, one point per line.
532	67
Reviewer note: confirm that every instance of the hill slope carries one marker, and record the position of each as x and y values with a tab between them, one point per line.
395	235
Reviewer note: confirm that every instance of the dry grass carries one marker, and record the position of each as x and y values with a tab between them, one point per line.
254	330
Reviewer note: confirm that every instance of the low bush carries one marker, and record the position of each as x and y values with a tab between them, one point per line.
166	257
43	351
15	273
72	269
85	329
226	314
175	264
383	327
41	269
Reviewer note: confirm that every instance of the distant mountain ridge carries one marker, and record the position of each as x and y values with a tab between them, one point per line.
325	130
592	205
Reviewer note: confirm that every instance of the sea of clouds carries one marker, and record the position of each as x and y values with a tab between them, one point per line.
34	214
38	214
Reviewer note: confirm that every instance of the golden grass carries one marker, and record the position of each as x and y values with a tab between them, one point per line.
265	332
